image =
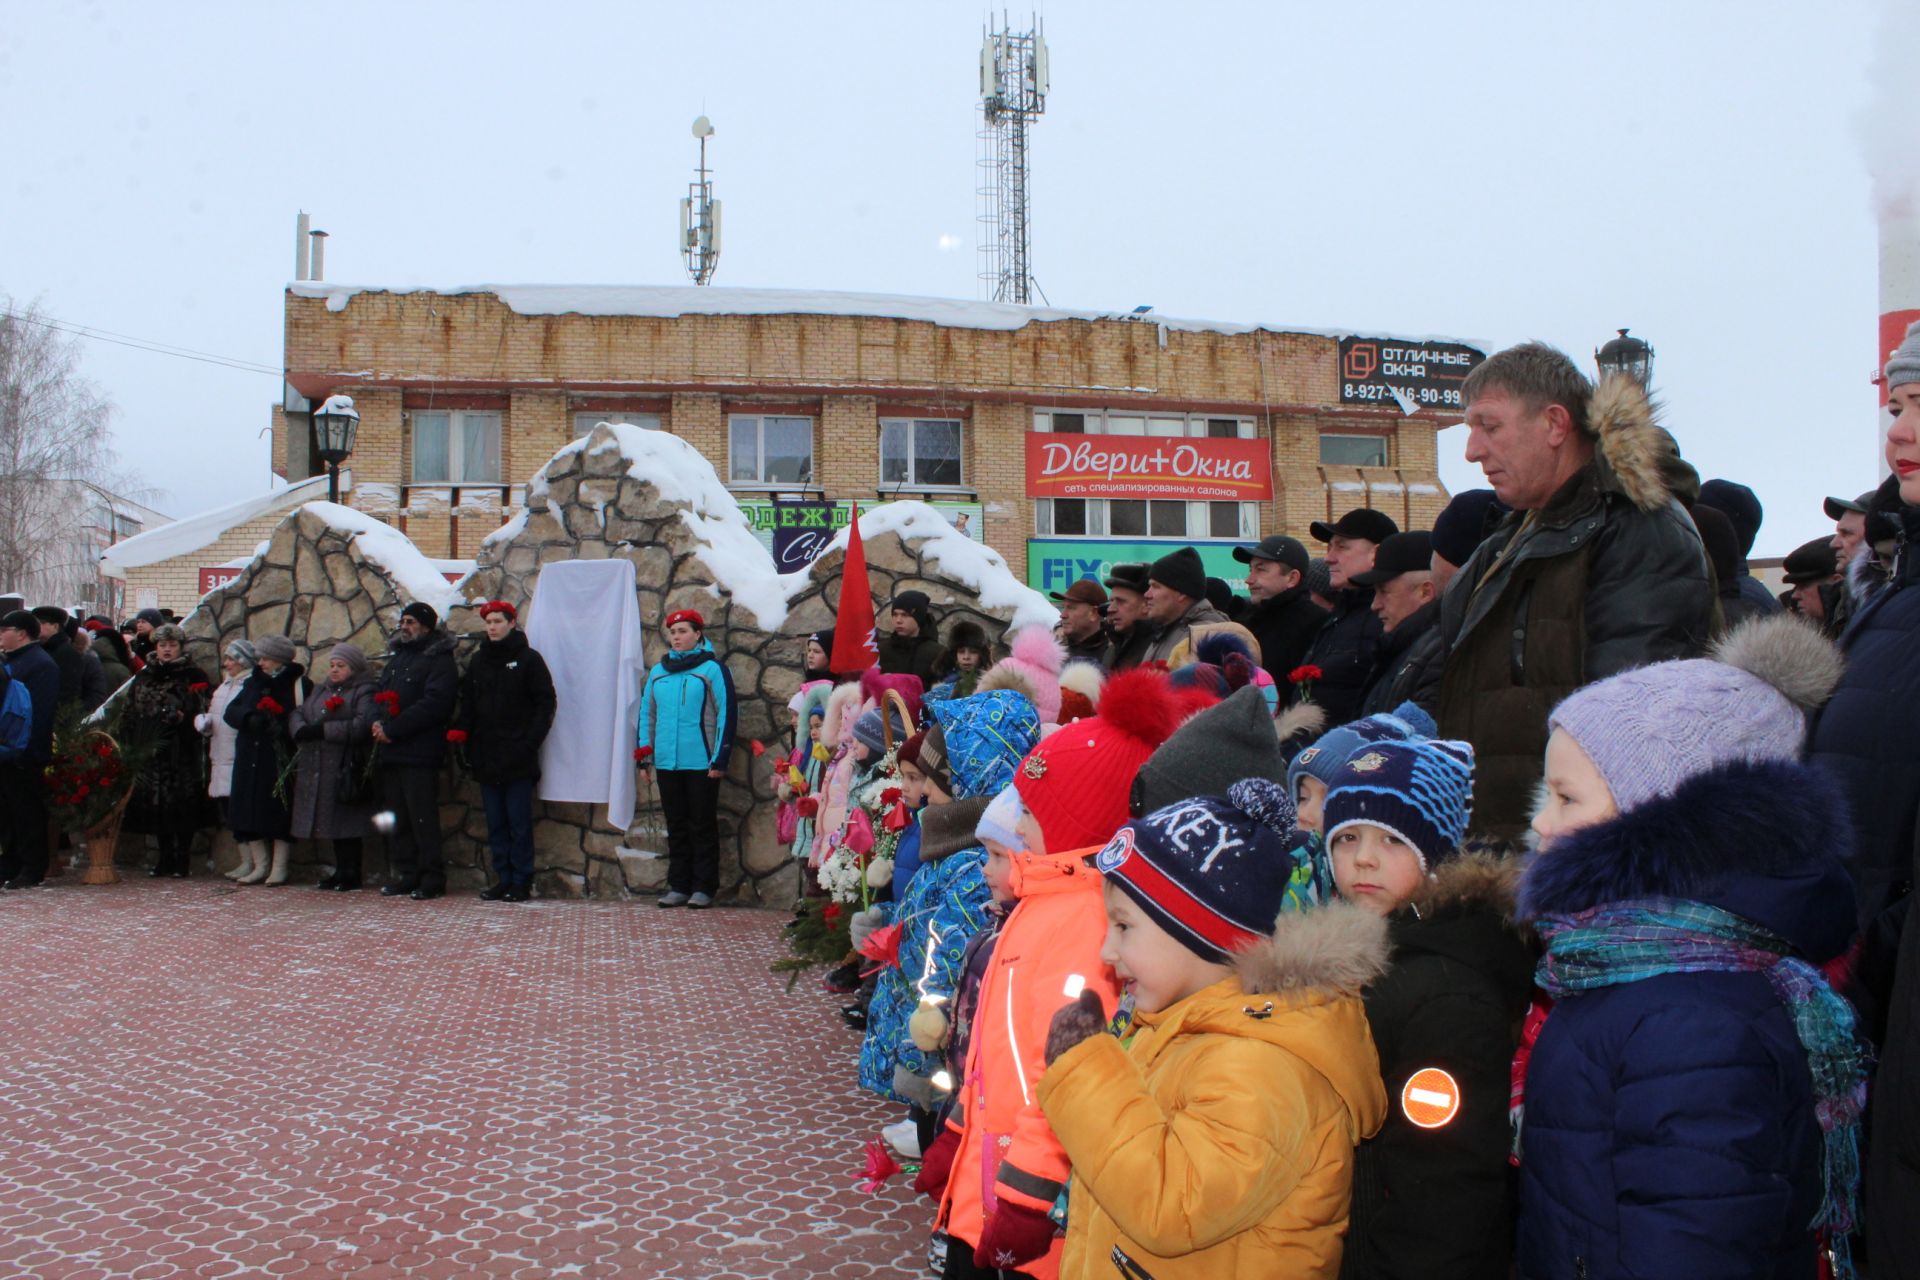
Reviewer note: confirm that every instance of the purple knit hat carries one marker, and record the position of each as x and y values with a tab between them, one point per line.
1651	729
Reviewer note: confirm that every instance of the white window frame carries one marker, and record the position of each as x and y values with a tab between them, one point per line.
1099	521
958	424
584	421
760	480
1140	422
456	446
1384	443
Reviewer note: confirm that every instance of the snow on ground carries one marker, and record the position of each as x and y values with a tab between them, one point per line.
680	300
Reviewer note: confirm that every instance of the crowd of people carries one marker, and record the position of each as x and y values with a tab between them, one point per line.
1522	895
274	753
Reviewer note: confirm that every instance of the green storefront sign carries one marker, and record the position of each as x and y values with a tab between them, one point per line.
1055	563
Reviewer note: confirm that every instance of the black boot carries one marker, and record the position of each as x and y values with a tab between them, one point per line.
163	859
331	881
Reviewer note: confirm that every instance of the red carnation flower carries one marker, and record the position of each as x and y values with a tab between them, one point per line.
456	735
1299	675
335	703
104	751
830	912
642	753
198	686
758	747
807	806
272	707
890	796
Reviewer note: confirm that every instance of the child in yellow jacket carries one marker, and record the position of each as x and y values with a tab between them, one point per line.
1220	1141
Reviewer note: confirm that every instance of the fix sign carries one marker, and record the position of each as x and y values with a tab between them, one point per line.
1430	1098
1074	466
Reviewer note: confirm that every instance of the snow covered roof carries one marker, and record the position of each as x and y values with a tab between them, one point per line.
686	300
195	532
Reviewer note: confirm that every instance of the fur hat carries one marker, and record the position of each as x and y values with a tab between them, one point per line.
1650	729
965	633
1209	753
1080	686
875	684
1077	781
1420	790
1323	759
1212	871
1039	657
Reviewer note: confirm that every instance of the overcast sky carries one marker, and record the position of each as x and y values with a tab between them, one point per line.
1496	172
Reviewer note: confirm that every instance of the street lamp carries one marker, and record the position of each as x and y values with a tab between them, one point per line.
334	426
1628	355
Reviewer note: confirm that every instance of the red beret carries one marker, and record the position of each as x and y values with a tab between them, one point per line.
688	616
500	606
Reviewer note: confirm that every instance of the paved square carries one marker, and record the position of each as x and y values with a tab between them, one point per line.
200	1080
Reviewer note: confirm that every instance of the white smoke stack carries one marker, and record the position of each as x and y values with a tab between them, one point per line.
1889	130
300	229
319	239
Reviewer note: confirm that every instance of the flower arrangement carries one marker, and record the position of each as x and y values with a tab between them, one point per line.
820	933
1302	678
92	770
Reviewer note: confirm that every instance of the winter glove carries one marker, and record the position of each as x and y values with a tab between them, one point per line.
936	1165
309	733
863	923
916	1089
1084	1019
928	1027
1014	1235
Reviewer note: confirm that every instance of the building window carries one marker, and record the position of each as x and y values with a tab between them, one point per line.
920	452
1099	422
456	447
585	422
769	450
1353	451
1144	518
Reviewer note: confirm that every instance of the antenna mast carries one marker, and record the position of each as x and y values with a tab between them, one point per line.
700	215
1013	91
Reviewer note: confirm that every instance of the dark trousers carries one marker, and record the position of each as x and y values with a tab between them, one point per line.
413	849
510	829
691	799
346	860
23	823
961	1266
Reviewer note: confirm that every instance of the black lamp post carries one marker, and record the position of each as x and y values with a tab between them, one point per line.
334	426
1628	355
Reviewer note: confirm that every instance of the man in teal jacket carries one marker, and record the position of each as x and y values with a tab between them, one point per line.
685	739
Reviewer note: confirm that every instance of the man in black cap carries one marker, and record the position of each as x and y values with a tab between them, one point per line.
1132	634
1459	530
1812	570
56	637
1741	506
1177	601
1282	614
1082	627
412	738
1849	516
912	647
1407	668
1348	642
23	811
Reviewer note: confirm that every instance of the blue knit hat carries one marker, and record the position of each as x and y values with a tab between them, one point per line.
1324	758
1422	791
1213	872
871	731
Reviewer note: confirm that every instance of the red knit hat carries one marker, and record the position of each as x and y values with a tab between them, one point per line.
1076	782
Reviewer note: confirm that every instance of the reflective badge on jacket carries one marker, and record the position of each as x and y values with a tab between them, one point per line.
1430	1098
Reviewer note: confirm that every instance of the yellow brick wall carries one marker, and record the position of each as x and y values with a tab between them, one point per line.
176	582
851	368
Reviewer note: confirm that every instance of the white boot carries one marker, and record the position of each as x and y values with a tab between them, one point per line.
245	868
256	851
282	850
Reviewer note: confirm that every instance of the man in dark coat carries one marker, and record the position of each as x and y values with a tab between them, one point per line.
23	809
507	703
1349	641
912	647
1722	547
1595	569
1281	615
1127	623
411	731
1177	602
1741	506
57	640
1816	590
1082	623
1407	667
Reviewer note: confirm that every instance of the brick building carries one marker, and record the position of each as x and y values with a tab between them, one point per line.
1221	433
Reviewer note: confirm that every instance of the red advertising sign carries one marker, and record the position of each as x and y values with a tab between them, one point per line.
219	576
1072	466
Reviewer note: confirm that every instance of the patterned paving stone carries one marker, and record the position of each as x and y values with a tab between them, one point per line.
204	1081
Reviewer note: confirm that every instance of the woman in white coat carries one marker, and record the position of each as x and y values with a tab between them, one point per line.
237	664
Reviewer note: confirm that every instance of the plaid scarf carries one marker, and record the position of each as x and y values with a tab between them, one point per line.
1622	942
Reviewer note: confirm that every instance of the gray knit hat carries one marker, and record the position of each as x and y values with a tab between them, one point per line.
1651	729
279	648
350	654
242	651
1903	366
1230	740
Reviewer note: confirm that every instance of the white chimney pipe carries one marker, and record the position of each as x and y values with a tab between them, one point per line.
1899	276
300	229
319	239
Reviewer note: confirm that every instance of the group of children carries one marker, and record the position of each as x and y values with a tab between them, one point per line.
1153	1018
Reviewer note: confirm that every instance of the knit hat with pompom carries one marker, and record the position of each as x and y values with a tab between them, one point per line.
1077	780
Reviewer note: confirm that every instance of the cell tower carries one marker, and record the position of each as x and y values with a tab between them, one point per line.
1013	91
700	215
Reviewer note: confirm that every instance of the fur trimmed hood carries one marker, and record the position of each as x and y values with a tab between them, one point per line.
1470	881
1638	457
1767	842
1338	948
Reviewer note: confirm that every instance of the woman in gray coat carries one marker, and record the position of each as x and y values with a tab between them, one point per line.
328	782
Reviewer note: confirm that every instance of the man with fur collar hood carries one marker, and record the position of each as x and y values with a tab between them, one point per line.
1597	569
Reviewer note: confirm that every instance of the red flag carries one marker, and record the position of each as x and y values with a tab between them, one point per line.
853	647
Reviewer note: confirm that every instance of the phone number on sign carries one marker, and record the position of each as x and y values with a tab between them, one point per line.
1425	395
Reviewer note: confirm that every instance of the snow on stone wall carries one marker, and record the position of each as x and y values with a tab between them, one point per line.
330	574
